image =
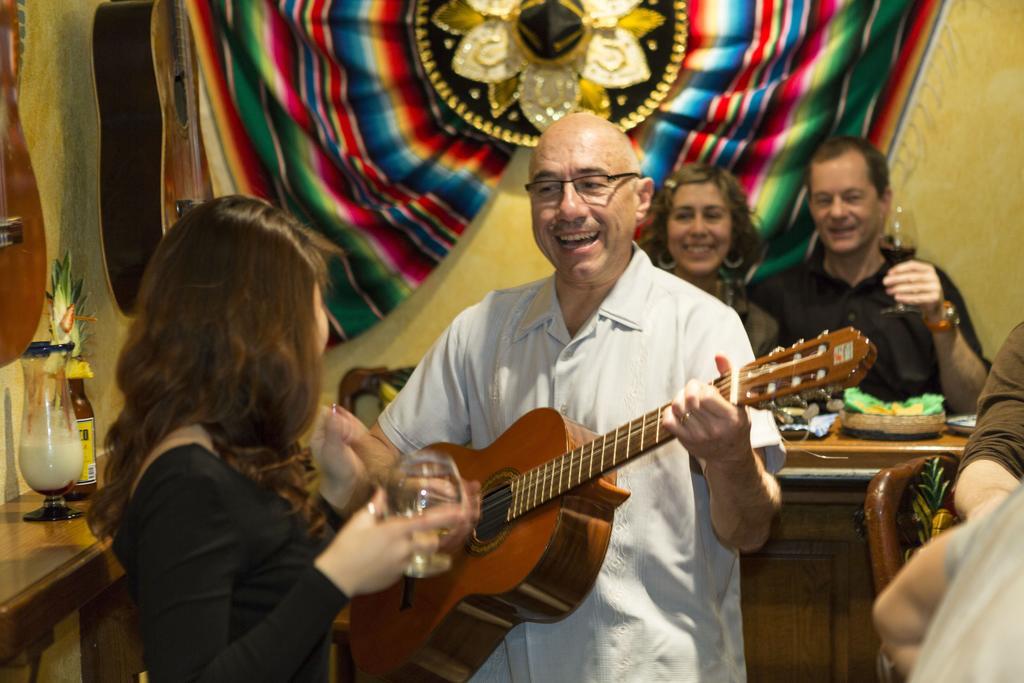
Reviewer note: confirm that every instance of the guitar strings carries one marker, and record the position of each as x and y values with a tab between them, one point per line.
541	478
501	498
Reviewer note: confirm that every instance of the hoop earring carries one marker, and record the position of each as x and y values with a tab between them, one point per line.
666	262
732	260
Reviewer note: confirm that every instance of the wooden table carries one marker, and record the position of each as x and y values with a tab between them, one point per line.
50	570
807	594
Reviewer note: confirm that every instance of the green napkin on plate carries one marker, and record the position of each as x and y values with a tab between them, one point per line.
857	401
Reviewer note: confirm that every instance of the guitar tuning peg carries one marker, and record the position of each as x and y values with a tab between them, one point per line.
777	349
824	333
834	405
800	341
822	394
780	415
792	401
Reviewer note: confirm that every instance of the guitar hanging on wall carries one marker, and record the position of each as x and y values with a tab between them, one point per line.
148	101
546	520
22	237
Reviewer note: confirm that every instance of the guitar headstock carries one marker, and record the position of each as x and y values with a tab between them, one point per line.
829	362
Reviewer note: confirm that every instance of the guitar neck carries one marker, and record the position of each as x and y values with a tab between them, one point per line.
595	458
813	369
552	479
185	66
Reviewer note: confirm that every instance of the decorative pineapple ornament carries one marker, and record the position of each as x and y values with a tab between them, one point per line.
66	300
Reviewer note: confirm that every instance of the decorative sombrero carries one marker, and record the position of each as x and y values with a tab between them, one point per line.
511	68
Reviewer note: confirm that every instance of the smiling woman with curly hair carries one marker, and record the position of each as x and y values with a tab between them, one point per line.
701	228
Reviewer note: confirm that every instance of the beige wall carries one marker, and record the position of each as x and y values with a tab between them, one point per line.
960	161
960	164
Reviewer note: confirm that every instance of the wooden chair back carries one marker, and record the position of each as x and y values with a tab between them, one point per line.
904	507
365	391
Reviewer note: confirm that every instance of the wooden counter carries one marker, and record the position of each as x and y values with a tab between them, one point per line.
807	594
840	456
50	570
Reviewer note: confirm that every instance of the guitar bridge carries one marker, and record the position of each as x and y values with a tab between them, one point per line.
12	231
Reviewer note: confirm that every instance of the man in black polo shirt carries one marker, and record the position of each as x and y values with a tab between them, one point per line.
846	281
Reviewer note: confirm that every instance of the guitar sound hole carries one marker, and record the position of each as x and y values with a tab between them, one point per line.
493	513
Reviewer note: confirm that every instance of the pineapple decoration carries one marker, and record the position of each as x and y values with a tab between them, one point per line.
66	301
932	517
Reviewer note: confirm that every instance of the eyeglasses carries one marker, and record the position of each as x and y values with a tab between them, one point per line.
593	189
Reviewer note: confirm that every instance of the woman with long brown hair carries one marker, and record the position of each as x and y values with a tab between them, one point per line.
702	229
236	574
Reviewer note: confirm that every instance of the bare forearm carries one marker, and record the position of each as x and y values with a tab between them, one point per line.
744	499
905	608
377	453
981	486
961	371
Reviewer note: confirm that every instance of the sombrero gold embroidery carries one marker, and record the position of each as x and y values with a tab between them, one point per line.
551	57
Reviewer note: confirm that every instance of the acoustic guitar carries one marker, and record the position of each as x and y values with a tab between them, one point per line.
22	237
152	162
546	520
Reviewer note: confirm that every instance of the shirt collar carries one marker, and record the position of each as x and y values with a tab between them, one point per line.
623	303
543	309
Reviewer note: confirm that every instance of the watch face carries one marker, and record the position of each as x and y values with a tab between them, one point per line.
949	313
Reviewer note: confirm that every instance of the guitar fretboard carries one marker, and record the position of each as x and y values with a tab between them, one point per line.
555	477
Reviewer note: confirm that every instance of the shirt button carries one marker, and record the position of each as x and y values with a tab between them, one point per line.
564	409
851	316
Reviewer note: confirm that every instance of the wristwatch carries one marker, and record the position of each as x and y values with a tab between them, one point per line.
948	321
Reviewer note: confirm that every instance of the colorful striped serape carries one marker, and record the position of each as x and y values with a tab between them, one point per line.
322	106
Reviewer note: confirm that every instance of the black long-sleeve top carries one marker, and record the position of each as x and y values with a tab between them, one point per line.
805	300
224	576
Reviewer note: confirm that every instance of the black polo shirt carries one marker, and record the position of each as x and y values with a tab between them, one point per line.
806	300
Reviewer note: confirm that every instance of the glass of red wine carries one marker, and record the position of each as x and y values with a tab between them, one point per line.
899	244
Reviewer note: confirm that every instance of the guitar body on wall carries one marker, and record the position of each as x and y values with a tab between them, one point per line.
22	237
152	161
546	518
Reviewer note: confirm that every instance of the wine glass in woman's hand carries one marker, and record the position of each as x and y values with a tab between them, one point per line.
899	244
418	482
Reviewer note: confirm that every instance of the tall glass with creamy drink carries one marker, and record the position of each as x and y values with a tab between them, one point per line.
50	452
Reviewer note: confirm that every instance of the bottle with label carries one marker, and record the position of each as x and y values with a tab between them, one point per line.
87	432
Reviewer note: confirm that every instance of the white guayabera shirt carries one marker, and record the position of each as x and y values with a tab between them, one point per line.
666	605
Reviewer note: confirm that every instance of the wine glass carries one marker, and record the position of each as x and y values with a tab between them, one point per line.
419	481
50	453
899	244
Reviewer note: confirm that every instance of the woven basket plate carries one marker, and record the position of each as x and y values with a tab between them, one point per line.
892	427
